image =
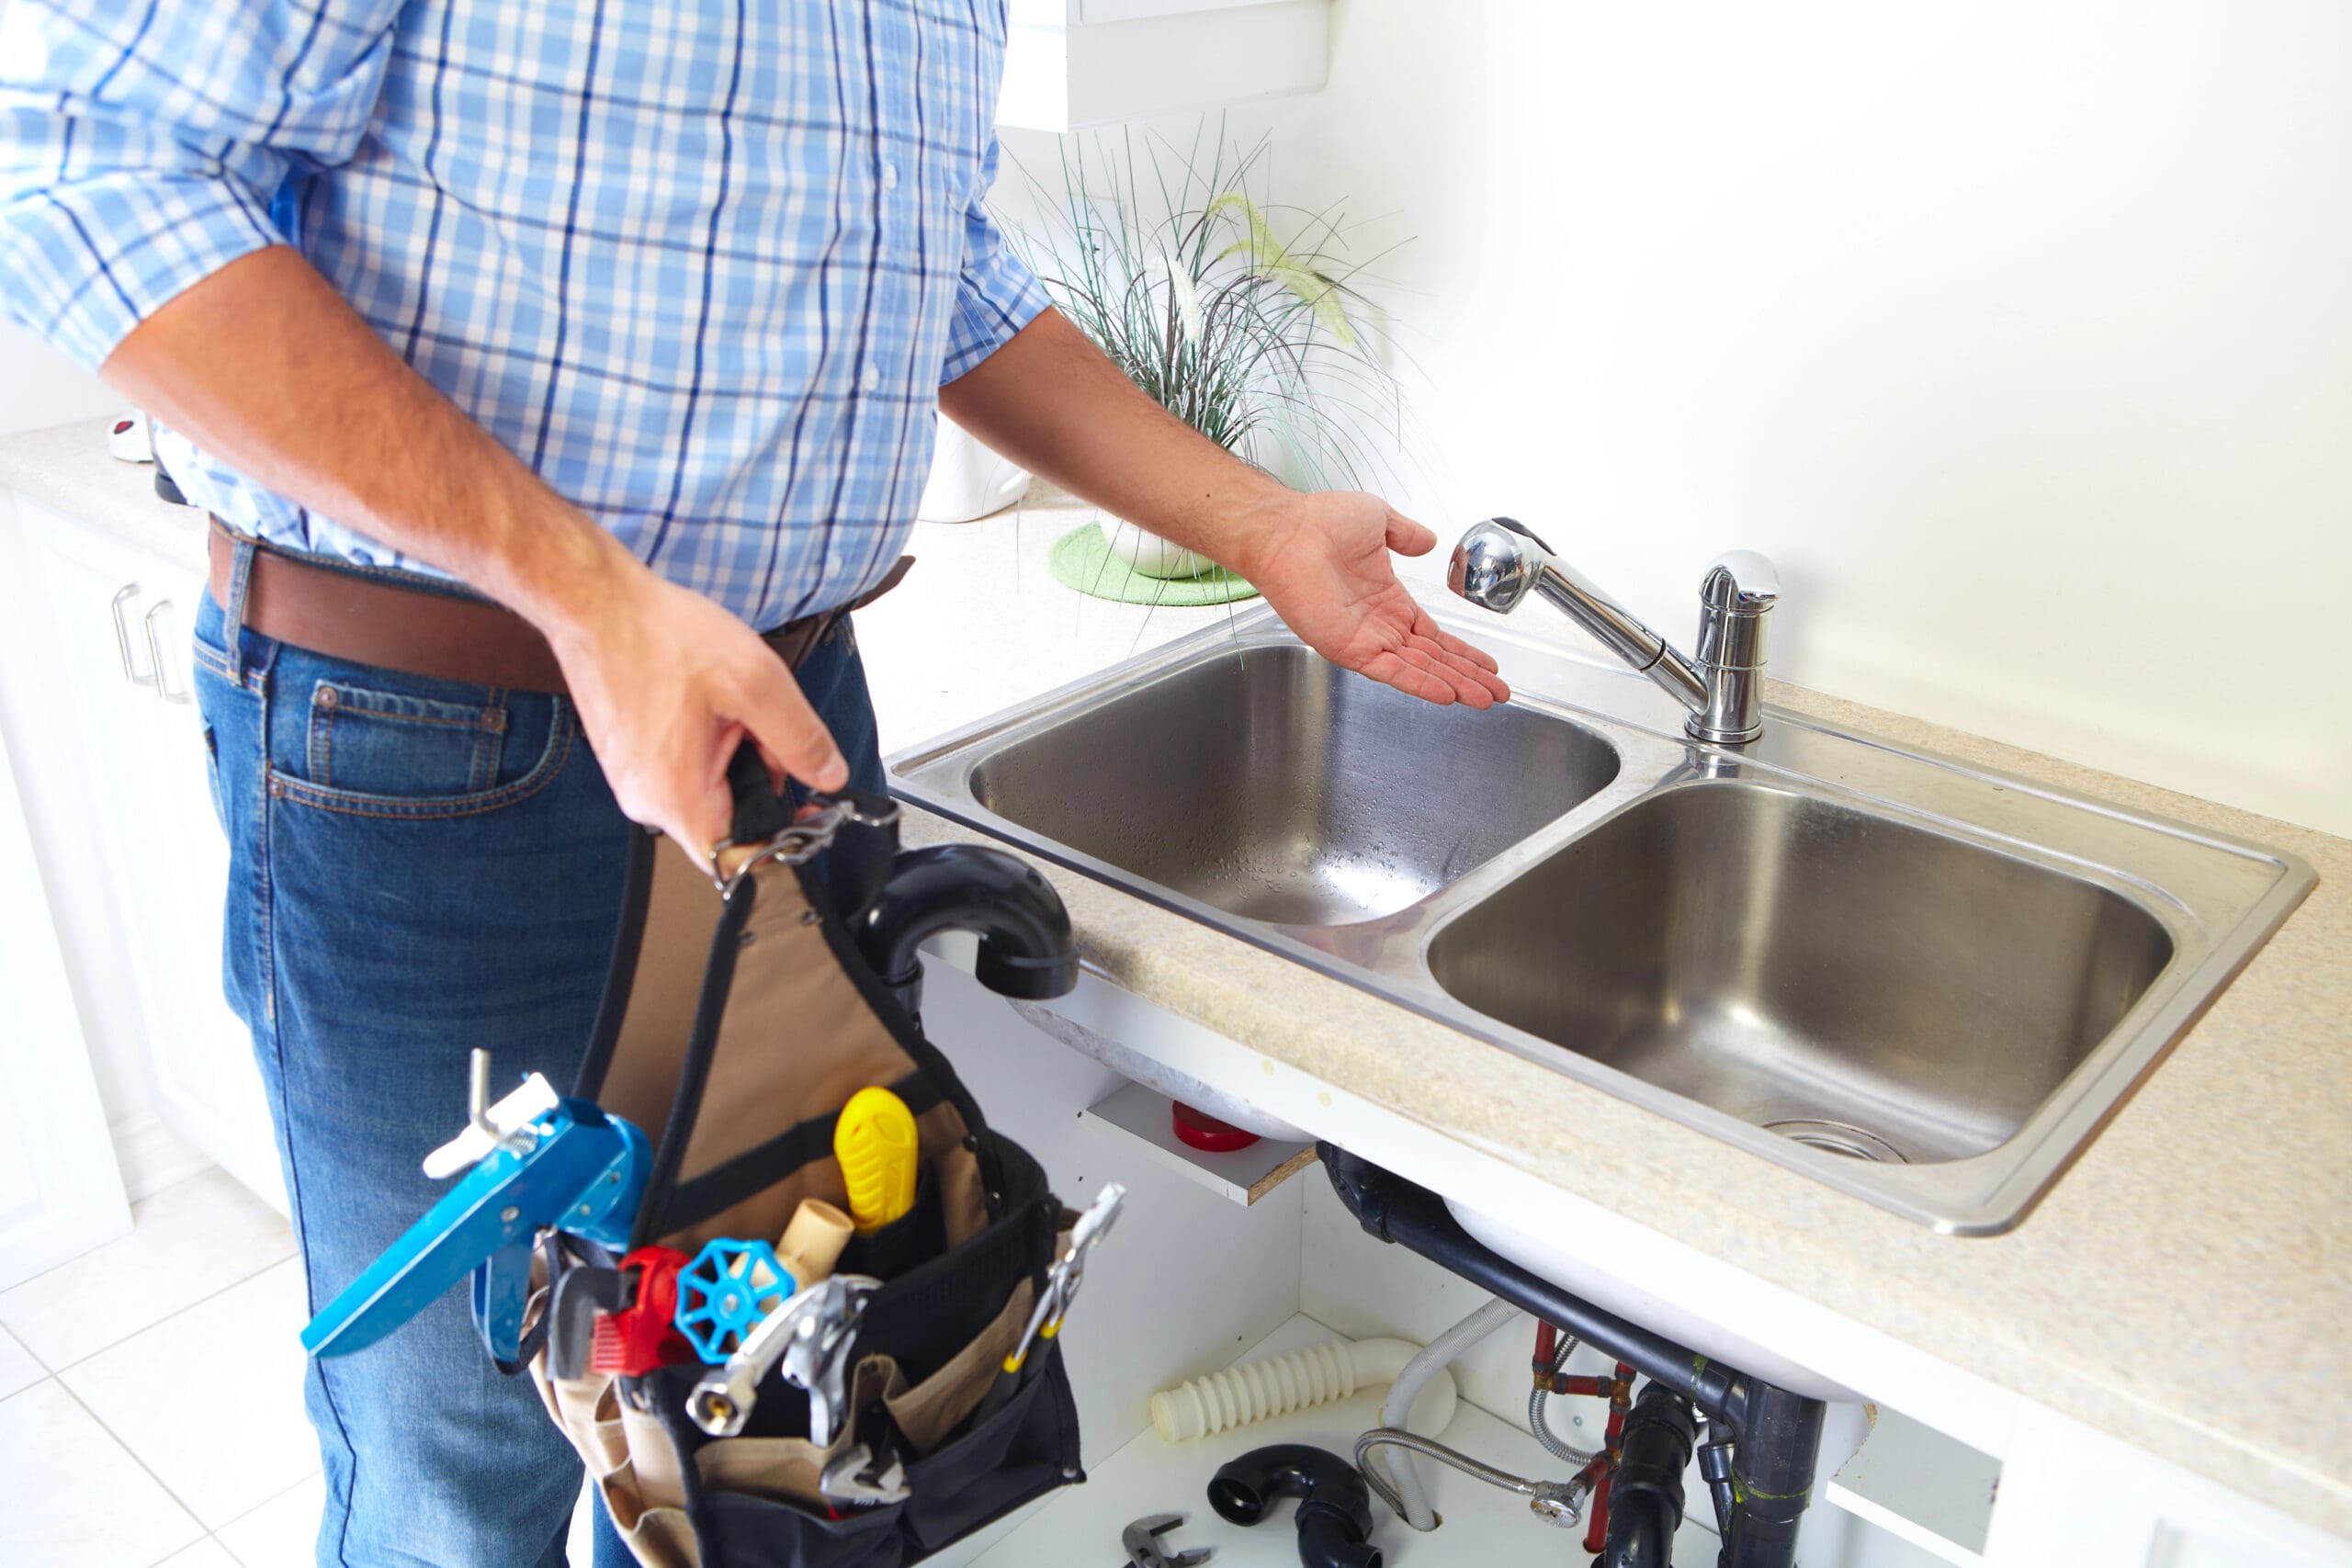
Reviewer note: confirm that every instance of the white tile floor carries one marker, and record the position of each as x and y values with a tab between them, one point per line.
151	1402
151	1397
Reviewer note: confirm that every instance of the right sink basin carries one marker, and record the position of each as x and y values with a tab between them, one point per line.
1871	987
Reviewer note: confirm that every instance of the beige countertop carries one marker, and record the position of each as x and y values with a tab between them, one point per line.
2186	1286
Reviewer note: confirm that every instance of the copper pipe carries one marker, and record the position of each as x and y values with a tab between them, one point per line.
1563	1382
1620	1400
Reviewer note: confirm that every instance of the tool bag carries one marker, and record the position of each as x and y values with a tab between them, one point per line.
737	1023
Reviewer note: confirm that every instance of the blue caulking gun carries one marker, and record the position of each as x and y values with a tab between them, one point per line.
546	1162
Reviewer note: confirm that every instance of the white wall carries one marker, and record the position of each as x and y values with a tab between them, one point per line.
2019	334
40	387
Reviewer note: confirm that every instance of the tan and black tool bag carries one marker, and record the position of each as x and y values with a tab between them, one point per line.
737	1026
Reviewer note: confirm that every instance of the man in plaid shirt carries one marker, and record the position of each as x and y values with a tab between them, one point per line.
629	316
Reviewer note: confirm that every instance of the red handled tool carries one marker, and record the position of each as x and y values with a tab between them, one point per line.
643	1335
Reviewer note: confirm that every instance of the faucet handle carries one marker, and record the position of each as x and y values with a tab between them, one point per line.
1742	582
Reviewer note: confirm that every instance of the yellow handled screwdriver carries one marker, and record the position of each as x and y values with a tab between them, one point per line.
875	1141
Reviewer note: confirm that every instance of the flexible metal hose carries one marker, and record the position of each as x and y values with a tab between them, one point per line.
1557	1502
1551	1441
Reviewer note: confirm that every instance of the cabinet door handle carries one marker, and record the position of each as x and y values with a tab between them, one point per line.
122	638
155	654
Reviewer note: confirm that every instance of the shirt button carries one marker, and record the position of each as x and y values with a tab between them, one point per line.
889	176
871	381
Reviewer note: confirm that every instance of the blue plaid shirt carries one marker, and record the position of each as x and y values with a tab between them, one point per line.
703	265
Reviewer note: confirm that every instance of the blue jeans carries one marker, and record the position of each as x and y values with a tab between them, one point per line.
418	867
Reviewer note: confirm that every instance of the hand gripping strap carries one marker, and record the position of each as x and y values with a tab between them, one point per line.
740	1027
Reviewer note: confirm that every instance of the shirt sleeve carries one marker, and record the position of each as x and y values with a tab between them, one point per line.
997	295
141	146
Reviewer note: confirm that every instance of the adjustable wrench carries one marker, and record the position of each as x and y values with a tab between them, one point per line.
810	1336
856	1479
1142	1541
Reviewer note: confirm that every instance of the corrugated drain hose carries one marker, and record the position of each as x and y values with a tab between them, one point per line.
1276	1386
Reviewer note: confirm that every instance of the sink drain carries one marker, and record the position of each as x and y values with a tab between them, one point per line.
1839	1138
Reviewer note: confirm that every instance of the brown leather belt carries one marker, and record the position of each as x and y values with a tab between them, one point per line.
381	620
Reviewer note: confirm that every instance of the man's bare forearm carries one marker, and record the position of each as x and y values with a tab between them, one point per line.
265	366
1054	404
1051	401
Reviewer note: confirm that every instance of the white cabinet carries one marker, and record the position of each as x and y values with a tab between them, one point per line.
60	1193
122	722
1071	64
2070	1494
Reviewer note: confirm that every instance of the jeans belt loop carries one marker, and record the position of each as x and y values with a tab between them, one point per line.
241	573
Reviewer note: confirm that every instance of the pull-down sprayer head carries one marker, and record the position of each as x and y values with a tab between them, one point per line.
1500	561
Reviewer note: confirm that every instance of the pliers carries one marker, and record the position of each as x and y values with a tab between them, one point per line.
1062	1280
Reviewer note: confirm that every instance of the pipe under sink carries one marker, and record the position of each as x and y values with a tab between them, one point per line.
1915	980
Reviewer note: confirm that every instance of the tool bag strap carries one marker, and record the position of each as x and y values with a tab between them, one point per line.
740	1026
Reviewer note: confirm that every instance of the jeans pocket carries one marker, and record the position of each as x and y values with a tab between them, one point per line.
368	742
393	743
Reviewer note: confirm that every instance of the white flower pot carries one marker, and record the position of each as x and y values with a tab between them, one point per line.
968	481
1149	554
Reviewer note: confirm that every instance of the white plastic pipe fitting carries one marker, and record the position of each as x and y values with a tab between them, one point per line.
1276	1386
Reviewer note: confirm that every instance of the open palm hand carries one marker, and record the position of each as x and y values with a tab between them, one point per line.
1326	571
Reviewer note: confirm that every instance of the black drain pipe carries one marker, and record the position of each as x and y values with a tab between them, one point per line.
1776	1445
1776	1434
1646	1492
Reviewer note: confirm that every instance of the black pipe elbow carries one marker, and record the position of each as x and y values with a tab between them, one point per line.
1645	1490
1334	1506
1026	949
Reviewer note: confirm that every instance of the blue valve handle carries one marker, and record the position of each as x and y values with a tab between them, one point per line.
725	1291
584	1173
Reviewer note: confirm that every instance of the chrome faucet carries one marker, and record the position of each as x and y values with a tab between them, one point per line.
1499	561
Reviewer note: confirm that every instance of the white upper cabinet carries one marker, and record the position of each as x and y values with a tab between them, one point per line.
1073	64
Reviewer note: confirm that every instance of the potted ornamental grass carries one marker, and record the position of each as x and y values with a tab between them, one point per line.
1239	316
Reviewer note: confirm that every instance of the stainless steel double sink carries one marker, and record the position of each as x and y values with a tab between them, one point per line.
1921	982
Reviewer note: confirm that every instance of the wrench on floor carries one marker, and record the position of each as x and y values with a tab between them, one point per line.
1142	1541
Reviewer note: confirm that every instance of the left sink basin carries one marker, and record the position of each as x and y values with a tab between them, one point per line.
1266	782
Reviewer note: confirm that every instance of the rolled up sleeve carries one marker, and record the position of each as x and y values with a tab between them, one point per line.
997	295
141	147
